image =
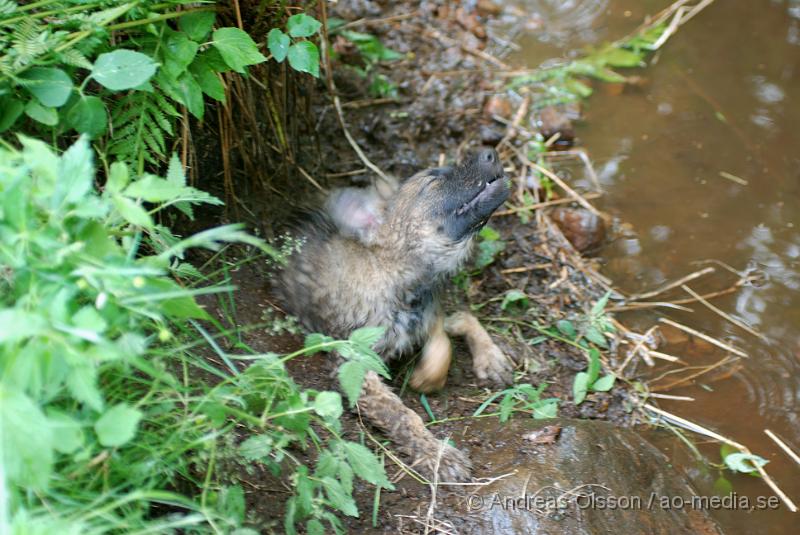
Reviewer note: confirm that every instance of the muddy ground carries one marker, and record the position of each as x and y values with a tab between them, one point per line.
439	113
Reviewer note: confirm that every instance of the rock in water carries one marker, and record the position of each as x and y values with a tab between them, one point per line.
584	230
593	478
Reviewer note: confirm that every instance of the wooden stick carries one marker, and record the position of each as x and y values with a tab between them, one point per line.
728	317
716	436
555	178
783	446
674	284
538	205
705	337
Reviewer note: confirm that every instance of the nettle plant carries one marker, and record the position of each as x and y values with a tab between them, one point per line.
119	71
101	410
303	55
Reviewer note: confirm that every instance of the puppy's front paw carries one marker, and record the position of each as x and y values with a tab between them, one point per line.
493	366
453	464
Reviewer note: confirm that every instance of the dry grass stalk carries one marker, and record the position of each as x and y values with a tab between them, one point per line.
728	317
640	344
668	396
555	178
447	41
789	451
539	205
674	284
707	338
691	426
336	103
684	380
583	157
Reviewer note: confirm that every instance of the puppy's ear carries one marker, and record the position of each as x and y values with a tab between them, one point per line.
356	212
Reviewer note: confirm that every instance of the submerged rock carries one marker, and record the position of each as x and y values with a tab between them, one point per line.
584	230
577	477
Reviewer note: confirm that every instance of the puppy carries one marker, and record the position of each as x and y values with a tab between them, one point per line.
380	257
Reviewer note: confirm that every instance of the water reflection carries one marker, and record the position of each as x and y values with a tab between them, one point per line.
721	99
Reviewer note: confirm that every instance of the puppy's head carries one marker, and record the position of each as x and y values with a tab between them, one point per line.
441	209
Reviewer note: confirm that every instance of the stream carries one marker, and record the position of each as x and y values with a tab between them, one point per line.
701	162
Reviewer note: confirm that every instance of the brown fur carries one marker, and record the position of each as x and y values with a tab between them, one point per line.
380	258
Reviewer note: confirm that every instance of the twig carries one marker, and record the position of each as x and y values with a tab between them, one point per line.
336	103
728	317
733	178
582	156
705	337
555	178
690	377
670	285
433	486
375	22
436	34
511	131
538	205
707	432
783	446
667	396
632	353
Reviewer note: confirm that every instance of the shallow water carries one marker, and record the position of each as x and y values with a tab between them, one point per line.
722	97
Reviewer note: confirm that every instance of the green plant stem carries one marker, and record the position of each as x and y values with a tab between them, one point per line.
159	18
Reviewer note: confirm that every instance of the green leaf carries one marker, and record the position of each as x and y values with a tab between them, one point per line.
52	87
351	377
118	177
594	366
67	429
619	57
544	409
231	503
328	405
123	69
117	426
179	52
88	116
370	47
20	324
41	114
367	336
237	48
75	174
580	387
197	25
604	384
338	498
278	44
185	90
506	406
10	110
132	212
304	57
600	305
566	328
315	527
365	464
301	25
26	440
594	335
744	462
512	297
207	79
257	447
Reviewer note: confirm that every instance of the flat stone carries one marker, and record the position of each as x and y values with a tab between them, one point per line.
580	477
